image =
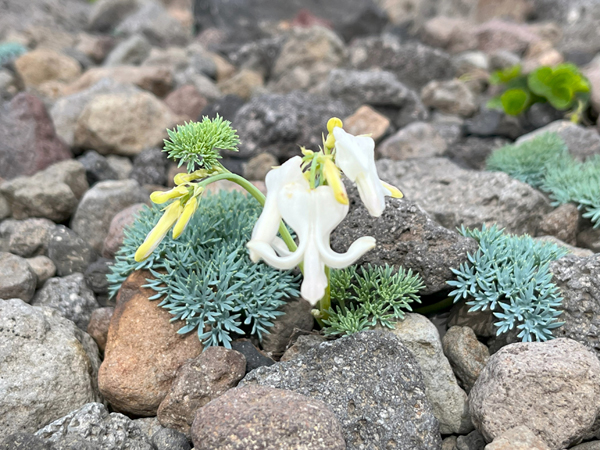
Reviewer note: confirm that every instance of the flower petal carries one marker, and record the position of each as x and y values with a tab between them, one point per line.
265	251
188	211
159	231
267	225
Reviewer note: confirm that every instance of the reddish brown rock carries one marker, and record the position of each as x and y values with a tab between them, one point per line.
366	120
98	326
186	101
263	417
143	350
199	381
28	141
116	231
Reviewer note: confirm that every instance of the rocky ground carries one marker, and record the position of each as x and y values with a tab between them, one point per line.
83	114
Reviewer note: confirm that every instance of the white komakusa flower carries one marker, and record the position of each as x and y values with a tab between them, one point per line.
355	155
313	214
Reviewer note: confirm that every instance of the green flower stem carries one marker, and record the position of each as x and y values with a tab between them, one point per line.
448	301
259	196
325	302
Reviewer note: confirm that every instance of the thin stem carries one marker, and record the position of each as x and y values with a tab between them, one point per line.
259	196
325	303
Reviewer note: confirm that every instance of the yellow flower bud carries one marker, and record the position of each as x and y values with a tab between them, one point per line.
330	141
160	197
188	211
332	174
158	233
394	191
332	123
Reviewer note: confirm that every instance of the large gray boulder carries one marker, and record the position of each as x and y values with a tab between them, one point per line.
456	196
371	382
49	367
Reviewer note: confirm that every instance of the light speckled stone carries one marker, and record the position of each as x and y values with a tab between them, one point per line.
49	367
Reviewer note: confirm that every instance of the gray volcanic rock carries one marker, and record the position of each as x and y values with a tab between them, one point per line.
17	279
413	63
579	283
279	124
372	383
92	427
263	417
456	196
100	204
406	236
70	296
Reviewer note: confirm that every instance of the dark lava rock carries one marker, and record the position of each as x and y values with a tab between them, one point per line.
413	63
150	167
69	252
97	167
254	357
406	236
280	123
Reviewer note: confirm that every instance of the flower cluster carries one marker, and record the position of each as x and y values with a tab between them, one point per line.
309	195
306	192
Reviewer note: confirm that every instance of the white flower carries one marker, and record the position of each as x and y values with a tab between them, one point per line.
355	155
313	214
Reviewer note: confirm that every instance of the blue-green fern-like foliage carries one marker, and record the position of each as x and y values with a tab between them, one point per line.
544	163
9	51
510	275
375	295
528	162
577	182
205	277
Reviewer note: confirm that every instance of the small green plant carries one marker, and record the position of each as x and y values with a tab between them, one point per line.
528	162
563	86
577	182
9	51
206	278
544	163
196	144
369	296
510	275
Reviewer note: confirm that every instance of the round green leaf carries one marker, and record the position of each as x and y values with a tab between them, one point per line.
515	101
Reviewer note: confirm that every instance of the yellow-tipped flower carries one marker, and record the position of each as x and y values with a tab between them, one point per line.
160	197
394	191
332	175
334	122
161	229
188	211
